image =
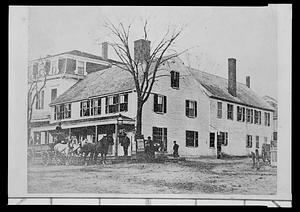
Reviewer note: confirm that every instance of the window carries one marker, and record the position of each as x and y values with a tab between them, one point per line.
190	108
123	102
85	108
80	67
229	111
251	116
257	117
212	140
53	94
39	104
191	138
248	116
61	65
71	66
37	138
219	113
257	142
275	136
96	106
67	111
159	136
116	103
267	119
174	79
62	111
249	141
47	67
54	67
112	104
160	103
240	114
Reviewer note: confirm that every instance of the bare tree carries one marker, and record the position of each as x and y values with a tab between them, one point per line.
37	82
142	69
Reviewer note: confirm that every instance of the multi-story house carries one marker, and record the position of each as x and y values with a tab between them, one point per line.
62	72
205	114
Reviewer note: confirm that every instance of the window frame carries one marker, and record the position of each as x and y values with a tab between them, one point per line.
191	108
212	141
175	79
160	135
249	141
195	137
219	110
159	108
230	112
78	67
85	111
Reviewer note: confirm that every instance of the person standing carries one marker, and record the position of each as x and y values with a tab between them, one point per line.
125	142
175	150
257	159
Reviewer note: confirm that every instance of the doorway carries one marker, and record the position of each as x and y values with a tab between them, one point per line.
220	141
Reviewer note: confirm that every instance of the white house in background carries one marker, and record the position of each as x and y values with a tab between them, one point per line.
63	71
206	114
273	103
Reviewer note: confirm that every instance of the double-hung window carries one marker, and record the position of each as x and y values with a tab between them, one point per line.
219	110
267	119
174	79
85	108
96	106
230	111
112	104
191	138
249	141
160	103
257	141
159	136
80	67
240	114
123	102
62	111
191	108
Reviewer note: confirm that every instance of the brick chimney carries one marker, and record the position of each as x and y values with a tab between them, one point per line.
105	50
141	49
232	76
248	81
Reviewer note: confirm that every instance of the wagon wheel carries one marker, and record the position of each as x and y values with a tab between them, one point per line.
45	158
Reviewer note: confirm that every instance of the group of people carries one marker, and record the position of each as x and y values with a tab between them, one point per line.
151	148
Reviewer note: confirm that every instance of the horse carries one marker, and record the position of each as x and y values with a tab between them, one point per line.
62	150
102	147
86	149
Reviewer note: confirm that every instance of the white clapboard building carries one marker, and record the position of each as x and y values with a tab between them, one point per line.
204	113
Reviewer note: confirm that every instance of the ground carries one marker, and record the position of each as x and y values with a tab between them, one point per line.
201	176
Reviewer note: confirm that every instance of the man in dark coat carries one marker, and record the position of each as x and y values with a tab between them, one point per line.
125	142
175	150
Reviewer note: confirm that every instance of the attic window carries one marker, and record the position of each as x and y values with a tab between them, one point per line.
80	68
175	79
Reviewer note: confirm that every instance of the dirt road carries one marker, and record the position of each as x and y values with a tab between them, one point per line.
204	176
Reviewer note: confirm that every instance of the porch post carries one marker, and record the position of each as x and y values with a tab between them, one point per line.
96	136
117	139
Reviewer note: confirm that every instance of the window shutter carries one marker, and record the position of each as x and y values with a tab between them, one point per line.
172	79
195	108
165	104
155	102
187	108
177	79
196	139
165	134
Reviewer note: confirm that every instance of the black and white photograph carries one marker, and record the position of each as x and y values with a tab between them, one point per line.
150	102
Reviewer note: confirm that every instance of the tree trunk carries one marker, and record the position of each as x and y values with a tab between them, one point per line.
139	118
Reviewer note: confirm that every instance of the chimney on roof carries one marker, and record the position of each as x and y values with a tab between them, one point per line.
232	76
248	81
105	50
141	50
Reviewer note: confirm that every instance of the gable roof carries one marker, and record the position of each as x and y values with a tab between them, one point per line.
218	88
98	83
114	79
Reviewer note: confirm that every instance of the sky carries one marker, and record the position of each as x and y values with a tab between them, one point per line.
211	35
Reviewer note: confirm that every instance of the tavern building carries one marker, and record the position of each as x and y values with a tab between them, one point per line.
202	112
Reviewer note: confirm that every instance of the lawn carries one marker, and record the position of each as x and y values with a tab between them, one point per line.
201	176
